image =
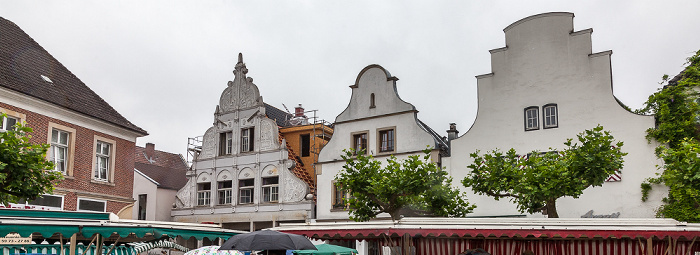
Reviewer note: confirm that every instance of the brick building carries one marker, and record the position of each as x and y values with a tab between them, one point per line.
91	143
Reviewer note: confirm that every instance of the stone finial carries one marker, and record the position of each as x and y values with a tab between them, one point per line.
240	67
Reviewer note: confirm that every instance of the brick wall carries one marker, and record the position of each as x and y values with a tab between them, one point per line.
81	180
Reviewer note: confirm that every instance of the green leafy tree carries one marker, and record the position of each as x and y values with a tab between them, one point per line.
411	187
24	171
536	180
677	112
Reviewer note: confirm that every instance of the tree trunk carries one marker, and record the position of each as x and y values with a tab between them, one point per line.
552	208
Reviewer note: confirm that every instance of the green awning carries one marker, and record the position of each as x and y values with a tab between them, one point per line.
186	234
106	231
44	230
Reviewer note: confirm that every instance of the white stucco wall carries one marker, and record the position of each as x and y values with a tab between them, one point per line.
546	62
389	111
142	185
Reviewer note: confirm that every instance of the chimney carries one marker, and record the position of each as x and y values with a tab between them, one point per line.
299	111
150	148
452	133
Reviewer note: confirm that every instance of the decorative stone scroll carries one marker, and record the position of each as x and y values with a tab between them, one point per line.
184	195
208	144
267	132
241	92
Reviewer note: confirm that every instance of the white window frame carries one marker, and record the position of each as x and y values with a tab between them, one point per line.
203	195
96	163
59	149
104	209
19	117
69	147
271	192
45	207
227	147
226	193
248	139
532	122
243	190
550	114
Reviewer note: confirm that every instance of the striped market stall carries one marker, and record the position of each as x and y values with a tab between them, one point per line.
511	236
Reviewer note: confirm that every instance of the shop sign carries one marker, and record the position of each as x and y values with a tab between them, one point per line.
14	238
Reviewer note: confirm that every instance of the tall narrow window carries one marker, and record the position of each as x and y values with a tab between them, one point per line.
7	123
225	143
247	139
305	145
270	188
225	192
102	159
371	101
339	197
204	193
386	140
142	206
359	143
245	191
550	116
531	118
59	150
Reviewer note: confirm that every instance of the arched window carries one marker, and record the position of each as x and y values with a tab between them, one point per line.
371	101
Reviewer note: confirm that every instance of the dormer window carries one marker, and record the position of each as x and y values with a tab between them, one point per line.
371	101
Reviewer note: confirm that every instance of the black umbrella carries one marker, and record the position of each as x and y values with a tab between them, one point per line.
267	240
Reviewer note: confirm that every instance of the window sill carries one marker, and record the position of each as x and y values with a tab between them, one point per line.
338	210
68	177
382	153
102	182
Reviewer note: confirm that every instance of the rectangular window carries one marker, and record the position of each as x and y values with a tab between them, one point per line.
91	205
203	193
51	201
225	143
386	140
59	150
102	161
225	192
245	192
531	118
270	189
305	145
247	138
142	206
7	123
550	116
339	197
359	143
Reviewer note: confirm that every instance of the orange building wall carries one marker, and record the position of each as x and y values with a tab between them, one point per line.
293	137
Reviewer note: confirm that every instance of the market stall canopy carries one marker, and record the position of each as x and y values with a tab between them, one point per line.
328	249
497	227
48	223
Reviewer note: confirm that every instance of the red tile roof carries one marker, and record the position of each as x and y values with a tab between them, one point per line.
166	168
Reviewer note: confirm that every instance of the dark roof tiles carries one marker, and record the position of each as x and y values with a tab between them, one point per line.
23	62
167	169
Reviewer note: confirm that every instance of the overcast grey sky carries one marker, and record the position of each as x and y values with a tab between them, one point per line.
164	64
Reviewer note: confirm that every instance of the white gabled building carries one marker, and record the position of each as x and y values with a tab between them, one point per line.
244	176
382	124
547	85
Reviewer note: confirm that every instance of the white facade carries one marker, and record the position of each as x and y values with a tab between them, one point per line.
546	63
241	155
374	108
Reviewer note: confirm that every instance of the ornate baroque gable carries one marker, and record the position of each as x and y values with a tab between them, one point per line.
241	93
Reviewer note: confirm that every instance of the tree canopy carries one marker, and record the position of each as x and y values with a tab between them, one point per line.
412	187
677	111
534	181
24	171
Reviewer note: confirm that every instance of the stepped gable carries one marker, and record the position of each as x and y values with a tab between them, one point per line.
27	68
